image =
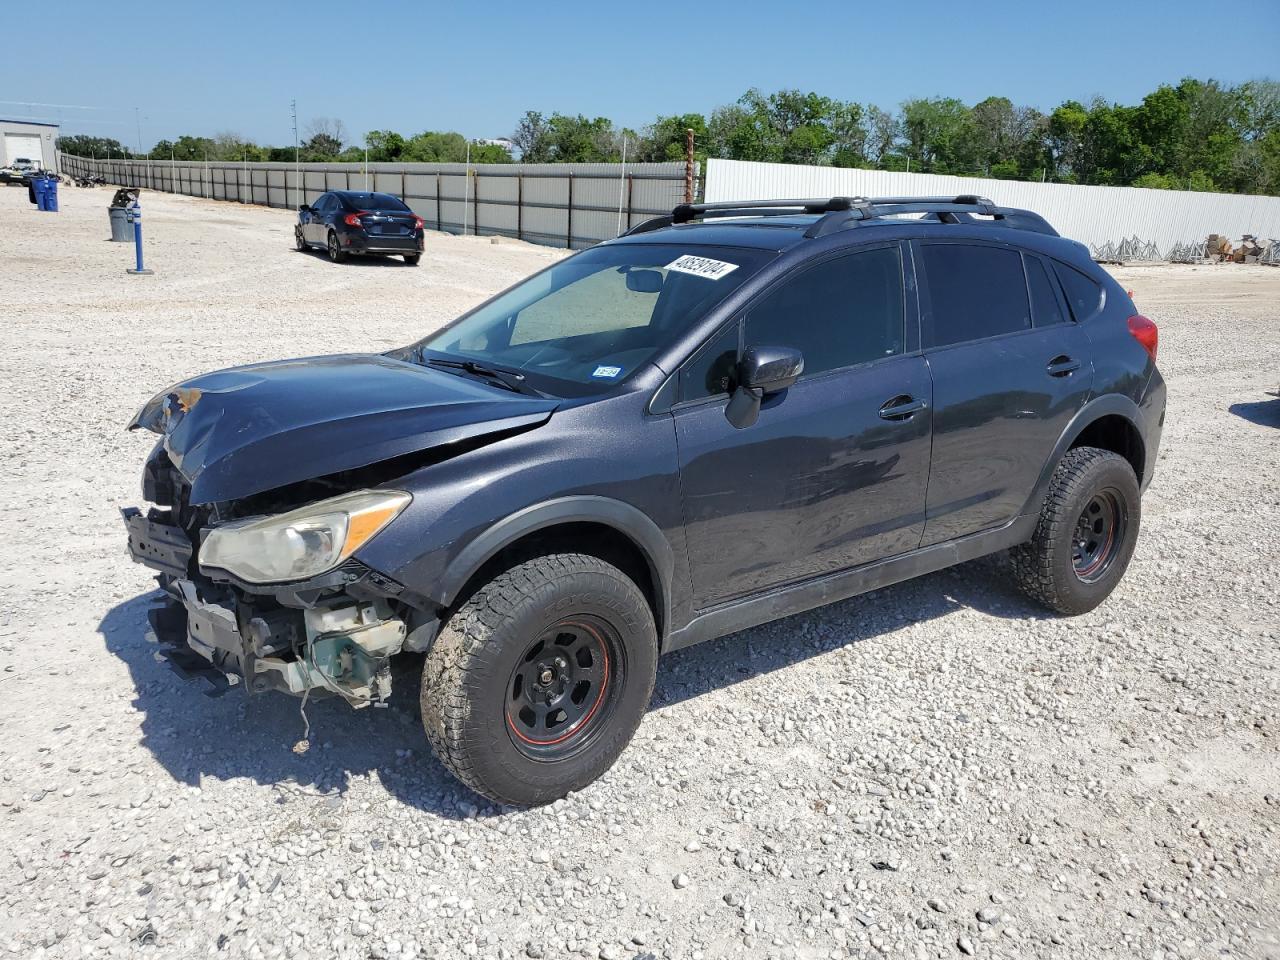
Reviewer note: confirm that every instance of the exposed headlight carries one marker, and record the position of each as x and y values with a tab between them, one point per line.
302	543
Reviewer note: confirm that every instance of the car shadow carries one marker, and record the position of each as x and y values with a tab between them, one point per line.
195	736
356	259
1265	413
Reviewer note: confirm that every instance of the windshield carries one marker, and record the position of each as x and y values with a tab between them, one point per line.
595	318
373	201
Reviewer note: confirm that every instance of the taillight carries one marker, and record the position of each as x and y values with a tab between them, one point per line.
418	223
1146	333
353	219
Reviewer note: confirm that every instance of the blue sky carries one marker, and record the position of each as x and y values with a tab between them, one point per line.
476	67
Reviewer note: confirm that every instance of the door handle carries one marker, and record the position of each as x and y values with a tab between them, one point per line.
1063	366
903	407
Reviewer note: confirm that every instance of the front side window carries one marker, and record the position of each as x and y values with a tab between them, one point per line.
594	319
711	370
839	313
975	291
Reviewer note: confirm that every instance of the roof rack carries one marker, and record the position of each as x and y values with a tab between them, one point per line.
842	212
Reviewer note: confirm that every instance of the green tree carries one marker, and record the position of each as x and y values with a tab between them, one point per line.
938	135
664	139
532	138
83	145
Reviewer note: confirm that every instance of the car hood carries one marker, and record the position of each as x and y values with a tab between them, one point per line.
241	431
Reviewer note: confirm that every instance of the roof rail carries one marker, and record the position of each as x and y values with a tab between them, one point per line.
841	212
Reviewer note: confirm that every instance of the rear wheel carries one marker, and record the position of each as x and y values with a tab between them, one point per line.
336	253
1086	535
412	259
539	680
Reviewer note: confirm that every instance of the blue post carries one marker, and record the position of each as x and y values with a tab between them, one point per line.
135	214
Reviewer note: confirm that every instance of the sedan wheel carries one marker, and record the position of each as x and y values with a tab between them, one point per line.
335	251
298	242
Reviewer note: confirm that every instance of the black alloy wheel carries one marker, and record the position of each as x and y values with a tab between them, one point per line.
561	688
1098	534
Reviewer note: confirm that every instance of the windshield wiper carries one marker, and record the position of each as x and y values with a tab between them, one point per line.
504	378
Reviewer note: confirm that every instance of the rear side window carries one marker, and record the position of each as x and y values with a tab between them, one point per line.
976	292
842	312
1045	308
1083	294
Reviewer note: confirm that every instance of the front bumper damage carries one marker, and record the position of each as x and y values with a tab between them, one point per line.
333	635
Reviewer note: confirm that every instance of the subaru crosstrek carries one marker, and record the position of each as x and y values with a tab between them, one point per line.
725	416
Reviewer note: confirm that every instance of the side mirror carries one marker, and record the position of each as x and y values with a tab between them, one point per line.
762	371
304	208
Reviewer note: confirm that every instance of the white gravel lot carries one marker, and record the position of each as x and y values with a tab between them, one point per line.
933	770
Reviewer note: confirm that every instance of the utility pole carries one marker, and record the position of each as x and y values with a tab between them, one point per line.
466	189
622	181
297	157
688	165
137	119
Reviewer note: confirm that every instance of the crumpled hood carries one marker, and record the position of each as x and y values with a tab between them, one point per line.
241	431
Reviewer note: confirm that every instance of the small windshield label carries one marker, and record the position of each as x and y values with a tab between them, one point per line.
606	373
702	267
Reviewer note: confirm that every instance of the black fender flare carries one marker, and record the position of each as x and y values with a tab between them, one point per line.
1113	404
630	521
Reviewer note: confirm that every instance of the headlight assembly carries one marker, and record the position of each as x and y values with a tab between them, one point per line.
304	542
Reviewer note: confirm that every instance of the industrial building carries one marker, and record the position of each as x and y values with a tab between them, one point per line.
35	141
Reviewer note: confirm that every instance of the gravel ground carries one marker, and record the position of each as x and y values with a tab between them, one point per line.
934	770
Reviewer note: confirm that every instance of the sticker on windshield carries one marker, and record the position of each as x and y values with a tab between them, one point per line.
606	373
702	267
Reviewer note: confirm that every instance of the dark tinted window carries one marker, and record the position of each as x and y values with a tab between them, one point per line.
1045	309
710	372
842	312
373	201
976	292
1083	295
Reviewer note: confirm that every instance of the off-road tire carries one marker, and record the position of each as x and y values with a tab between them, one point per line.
334	249
466	680
1044	567
412	259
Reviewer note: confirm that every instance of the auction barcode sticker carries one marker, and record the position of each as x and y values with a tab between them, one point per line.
702	266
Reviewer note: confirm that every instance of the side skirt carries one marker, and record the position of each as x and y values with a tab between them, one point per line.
809	594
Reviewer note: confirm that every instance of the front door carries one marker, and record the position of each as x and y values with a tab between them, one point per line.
1010	369
833	474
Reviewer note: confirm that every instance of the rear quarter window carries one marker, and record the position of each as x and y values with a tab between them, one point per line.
1084	294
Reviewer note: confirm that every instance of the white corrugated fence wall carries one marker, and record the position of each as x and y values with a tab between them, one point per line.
563	204
1092	215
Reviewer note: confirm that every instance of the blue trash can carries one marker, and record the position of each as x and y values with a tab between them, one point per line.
51	194
38	184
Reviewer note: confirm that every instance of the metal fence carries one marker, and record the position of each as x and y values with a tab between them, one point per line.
563	204
1096	216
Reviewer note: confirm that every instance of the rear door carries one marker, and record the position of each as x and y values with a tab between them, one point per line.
833	473
1009	368
311	230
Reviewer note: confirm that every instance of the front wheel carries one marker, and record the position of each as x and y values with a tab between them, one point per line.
298	242
539	680
336	253
1086	535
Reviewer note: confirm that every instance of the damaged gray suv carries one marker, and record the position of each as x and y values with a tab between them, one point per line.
730	414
